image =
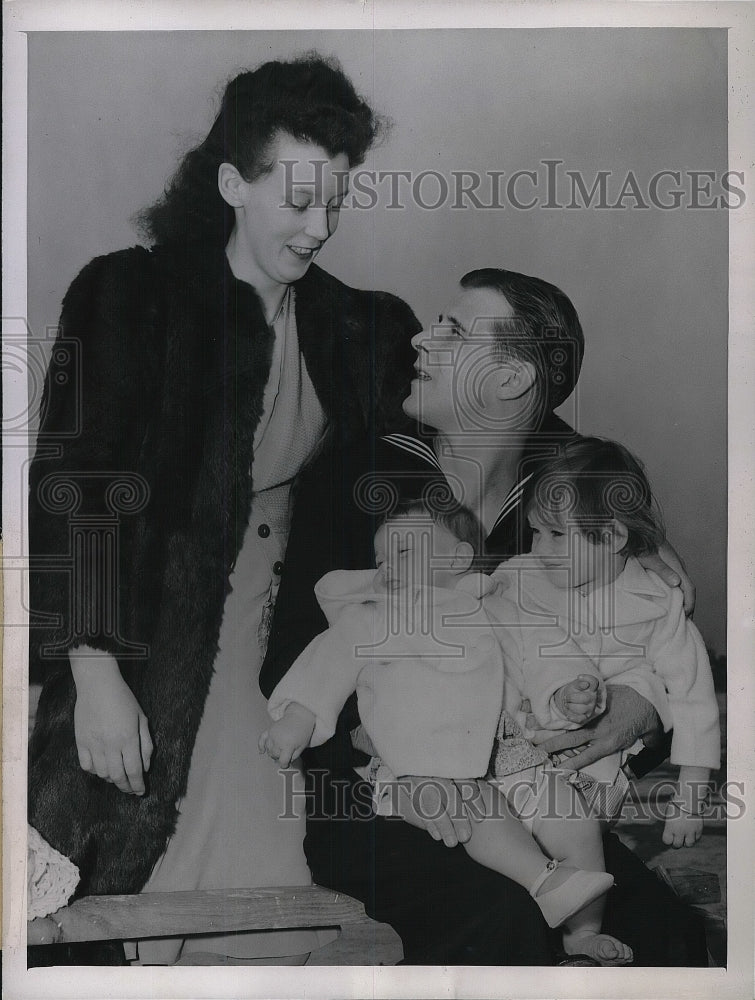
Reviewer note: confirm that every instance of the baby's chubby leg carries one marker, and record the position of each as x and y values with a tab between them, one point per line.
475	814
497	839
565	830
500	841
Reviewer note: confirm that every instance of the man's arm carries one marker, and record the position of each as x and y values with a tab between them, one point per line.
628	717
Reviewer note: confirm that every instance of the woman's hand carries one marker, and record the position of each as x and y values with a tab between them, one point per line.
112	733
670	568
628	717
438	805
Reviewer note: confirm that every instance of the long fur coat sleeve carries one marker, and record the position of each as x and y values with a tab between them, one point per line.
140	493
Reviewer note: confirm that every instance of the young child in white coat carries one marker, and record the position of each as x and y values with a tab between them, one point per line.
418	642
592	512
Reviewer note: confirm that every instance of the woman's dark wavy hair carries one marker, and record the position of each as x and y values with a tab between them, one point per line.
591	482
310	98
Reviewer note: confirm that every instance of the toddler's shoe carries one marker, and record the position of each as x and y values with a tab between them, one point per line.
572	895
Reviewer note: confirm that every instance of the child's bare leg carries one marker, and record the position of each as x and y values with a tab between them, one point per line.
566	832
500	841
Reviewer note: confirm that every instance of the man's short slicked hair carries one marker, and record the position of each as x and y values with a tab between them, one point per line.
545	328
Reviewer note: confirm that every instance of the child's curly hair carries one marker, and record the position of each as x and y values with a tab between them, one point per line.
593	482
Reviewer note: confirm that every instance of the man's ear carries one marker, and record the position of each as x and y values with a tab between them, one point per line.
463	556
515	377
619	536
232	186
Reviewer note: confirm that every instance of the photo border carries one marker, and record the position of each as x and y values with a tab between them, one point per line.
108	15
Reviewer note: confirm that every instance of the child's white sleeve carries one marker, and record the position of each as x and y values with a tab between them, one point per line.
678	654
325	673
539	661
547	670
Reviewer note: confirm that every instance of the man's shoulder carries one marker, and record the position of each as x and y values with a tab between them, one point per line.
389	458
351	298
553	430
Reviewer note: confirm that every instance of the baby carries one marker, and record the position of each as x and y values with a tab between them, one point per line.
418	642
592	512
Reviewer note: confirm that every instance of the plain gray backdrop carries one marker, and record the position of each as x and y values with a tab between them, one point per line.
111	112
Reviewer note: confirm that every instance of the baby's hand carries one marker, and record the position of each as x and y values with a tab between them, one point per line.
684	824
286	738
682	829
578	699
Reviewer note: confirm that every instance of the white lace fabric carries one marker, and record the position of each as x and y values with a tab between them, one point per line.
51	878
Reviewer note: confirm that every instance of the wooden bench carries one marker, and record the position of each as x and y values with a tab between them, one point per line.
361	941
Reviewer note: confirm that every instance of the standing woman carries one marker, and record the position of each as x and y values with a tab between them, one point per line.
214	366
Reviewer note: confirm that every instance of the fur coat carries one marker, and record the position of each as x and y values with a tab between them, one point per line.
140	493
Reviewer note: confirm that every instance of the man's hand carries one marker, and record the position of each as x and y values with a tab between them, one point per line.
286	738
628	717
111	730
440	806
670	568
578	699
